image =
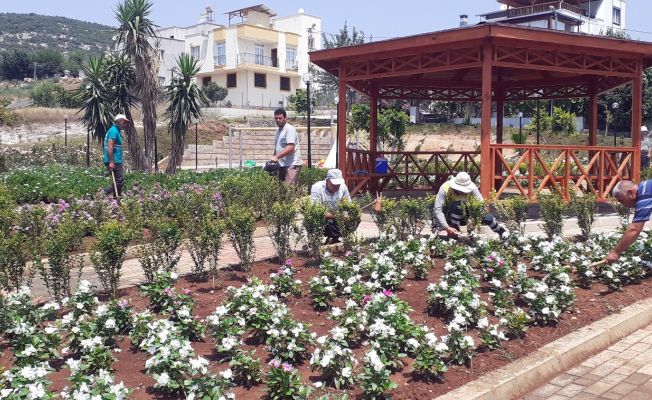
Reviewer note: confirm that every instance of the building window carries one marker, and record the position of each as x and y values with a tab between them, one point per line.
194	52
291	59
285	83
161	54
260	54
161	81
231	80
616	16
260	80
220	53
205	80
311	43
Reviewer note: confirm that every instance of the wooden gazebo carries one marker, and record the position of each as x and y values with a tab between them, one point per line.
492	64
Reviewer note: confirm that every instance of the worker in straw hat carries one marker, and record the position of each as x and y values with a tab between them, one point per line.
450	212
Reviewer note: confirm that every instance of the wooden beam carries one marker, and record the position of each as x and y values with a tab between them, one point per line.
485	131
593	129
341	125
637	104
373	129
568	70
500	115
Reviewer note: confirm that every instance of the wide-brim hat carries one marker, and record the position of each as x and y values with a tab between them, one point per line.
462	183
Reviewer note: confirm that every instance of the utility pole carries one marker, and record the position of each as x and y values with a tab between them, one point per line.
34	70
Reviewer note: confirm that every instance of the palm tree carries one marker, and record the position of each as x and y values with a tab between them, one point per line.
97	106
121	78
136	35
185	99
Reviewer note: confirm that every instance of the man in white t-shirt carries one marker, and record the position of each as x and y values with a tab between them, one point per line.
286	151
330	192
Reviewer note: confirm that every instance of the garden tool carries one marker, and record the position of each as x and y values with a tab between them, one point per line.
598	263
115	185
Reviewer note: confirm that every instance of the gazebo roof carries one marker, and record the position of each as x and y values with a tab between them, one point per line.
528	63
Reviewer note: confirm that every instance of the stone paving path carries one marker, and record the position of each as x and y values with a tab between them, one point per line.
623	371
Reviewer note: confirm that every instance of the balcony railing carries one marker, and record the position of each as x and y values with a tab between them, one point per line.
257	59
540	8
291	65
220	60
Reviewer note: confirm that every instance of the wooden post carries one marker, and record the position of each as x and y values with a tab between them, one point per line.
485	125
341	125
373	135
500	116
593	128
637	104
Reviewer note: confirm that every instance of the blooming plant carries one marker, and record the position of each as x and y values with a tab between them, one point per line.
335	362
491	335
284	382
99	386
28	382
516	322
460	345
287	339
211	387
429	363
246	369
322	292
374	380
283	282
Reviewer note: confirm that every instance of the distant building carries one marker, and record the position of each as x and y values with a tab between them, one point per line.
585	16
259	57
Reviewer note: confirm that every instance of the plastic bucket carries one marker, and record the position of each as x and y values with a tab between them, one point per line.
382	165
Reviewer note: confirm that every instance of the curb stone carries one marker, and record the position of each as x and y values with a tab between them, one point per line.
528	373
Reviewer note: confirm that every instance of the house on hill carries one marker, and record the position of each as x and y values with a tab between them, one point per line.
584	16
258	56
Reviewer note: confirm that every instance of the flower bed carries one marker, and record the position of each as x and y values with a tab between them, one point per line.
359	325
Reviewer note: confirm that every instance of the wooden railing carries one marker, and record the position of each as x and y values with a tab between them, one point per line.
590	169
408	170
540	8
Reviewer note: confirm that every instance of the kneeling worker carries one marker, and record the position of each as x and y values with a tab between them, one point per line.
330	192
450	212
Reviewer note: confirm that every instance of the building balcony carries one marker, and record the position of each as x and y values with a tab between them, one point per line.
257	59
542	8
257	33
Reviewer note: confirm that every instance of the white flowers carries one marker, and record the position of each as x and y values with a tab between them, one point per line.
163	379
374	361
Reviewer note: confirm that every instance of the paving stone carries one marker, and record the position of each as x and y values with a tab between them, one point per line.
570	390
598	388
636	395
563	380
638	378
579	370
603	370
614	378
610	396
547	390
584	396
623	388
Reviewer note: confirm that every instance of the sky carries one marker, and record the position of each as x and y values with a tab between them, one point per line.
378	19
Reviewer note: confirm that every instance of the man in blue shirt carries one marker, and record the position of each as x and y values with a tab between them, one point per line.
113	157
634	196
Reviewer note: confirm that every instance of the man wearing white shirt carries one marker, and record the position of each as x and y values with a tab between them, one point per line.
330	192
286	151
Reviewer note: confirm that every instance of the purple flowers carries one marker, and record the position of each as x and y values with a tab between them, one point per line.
276	363
288	262
388	293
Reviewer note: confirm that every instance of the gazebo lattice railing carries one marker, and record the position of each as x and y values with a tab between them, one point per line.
408	170
492	64
562	169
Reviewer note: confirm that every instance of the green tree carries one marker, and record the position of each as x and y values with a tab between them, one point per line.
299	102
325	81
49	62
391	127
185	99
136	34
74	62
46	94
215	92
15	64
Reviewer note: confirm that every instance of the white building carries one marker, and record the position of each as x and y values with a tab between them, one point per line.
586	16
258	57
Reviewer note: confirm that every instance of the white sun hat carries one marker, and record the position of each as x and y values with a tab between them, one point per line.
463	183
335	176
643	128
119	117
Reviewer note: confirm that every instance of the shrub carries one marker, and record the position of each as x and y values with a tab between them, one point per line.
513	211
309	176
240	223
348	219
313	224
584	208
253	189
552	207
246	369
475	210
280	225
59	244
7	117
384	219
411	219
160	253
624	212
283	382
108	254
204	245
14	254
47	94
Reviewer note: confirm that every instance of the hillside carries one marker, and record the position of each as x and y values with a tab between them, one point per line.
34	32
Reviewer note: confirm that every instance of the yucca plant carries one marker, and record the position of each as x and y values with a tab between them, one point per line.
185	99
